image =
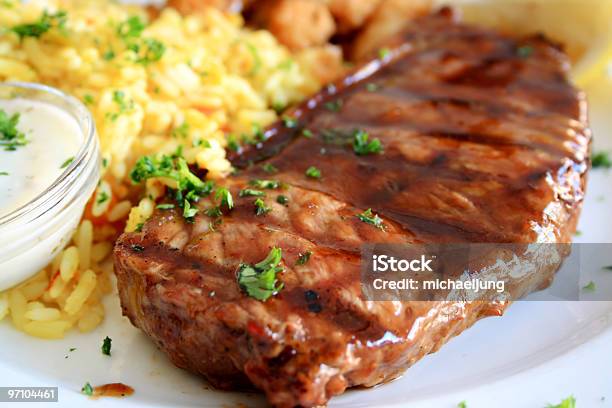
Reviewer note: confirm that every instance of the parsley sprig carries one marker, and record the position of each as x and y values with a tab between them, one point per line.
249	192
87	389
189	187
260	207
601	160
10	137
149	50
283	200
569	402
590	287
303	258
225	197
269	168
46	22
130	28
124	105
334	106
363	146
106	346
145	50
370	218
313	172
265	184
259	281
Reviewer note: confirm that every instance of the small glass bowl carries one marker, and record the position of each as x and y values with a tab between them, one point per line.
32	235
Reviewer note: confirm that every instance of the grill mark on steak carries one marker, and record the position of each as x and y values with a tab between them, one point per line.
479	146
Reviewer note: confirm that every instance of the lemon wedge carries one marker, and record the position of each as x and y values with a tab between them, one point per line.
594	66
584	27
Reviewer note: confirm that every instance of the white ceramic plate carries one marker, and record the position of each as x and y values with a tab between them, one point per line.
539	352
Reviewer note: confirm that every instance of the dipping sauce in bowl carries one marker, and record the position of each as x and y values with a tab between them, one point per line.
48	140
49	167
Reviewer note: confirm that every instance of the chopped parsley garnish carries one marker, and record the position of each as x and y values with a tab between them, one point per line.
269	168
256	59
4	173
259	280
303	258
383	53
71	349
10	137
260	207
590	287
307	133
362	146
67	163
372	87
601	160
225	196
370	218
106	346
149	51
313	172
102	197
289	122
201	143
131	28
139	227
88	99
181	131
334	106
249	192
569	402
257	133
87	389
213	212
189	187
279	107
108	55
137	248
524	51
123	106
45	23
267	184
462	404
607	268
232	143
281	199
165	206
146	50
189	212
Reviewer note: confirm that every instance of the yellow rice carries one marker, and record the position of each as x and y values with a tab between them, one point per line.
215	77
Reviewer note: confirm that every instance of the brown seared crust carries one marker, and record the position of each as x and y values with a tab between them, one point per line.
481	145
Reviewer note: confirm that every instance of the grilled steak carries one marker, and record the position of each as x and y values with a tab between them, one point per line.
484	141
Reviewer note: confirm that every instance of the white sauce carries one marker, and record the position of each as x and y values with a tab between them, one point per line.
53	137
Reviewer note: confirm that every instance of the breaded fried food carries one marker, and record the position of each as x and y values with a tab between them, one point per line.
389	19
301	24
298	24
194	6
352	14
